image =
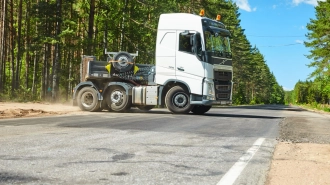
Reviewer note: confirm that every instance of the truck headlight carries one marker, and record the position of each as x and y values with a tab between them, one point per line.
209	91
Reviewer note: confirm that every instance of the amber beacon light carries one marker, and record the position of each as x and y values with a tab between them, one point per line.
218	17
202	13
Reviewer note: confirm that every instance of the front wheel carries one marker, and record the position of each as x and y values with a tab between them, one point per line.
177	100
200	109
87	99
118	100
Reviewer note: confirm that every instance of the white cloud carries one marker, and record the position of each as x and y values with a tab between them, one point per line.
311	2
274	6
299	41
244	5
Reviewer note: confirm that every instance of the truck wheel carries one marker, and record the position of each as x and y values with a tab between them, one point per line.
177	100
105	106
88	100
200	109
145	107
123	62
118	100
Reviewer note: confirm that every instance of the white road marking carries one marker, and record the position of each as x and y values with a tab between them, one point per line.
230	177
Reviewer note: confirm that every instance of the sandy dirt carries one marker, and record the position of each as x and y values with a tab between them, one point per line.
18	110
300	164
302	155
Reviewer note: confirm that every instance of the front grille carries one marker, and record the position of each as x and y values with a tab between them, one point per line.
222	82
223	96
223	88
222	76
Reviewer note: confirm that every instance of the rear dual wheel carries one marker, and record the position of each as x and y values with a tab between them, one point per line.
118	100
88	100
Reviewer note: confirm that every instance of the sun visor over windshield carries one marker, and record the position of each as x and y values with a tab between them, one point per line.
220	31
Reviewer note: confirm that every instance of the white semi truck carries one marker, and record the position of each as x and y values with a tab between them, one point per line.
192	72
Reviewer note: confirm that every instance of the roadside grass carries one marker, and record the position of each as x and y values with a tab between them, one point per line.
316	106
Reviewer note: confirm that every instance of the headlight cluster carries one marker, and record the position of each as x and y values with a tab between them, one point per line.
210	92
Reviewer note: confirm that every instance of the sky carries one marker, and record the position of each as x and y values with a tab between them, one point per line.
278	28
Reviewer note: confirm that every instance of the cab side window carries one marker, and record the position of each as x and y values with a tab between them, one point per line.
185	42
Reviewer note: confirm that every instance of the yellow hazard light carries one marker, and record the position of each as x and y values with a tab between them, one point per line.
202	13
100	90
218	17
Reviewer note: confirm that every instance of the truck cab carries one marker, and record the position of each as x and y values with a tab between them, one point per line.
193	71
195	51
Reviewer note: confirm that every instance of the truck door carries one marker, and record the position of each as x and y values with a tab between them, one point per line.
189	68
165	56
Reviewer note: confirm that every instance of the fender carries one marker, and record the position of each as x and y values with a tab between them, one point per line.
161	89
175	81
86	84
128	87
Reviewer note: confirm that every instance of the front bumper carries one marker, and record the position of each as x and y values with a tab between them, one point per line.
212	102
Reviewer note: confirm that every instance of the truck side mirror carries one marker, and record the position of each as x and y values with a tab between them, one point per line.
197	45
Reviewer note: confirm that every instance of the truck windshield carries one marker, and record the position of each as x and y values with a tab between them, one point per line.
216	42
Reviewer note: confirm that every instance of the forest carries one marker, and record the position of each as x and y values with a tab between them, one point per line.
315	90
42	41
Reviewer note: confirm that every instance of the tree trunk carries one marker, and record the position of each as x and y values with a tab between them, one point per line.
28	43
70	58
12	48
91	28
35	70
122	34
3	9
18	56
57	60
44	74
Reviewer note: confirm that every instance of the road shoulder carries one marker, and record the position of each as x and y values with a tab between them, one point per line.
302	153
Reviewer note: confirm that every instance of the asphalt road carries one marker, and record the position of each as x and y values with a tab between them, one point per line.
231	145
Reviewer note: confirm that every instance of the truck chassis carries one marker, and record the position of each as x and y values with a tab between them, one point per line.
119	84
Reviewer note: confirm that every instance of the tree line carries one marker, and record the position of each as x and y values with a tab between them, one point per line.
41	43
316	90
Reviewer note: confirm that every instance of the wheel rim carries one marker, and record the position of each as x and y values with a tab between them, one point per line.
117	97
180	100
123	61
87	99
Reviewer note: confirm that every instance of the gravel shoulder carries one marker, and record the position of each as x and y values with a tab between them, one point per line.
300	157
302	153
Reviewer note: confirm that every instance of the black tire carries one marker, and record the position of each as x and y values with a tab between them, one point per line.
118	100
200	109
87	99
123	62
177	101
145	107
105	106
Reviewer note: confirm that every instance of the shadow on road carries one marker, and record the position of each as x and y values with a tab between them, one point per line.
208	114
239	116
266	107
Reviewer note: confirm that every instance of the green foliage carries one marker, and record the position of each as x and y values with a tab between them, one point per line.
316	92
